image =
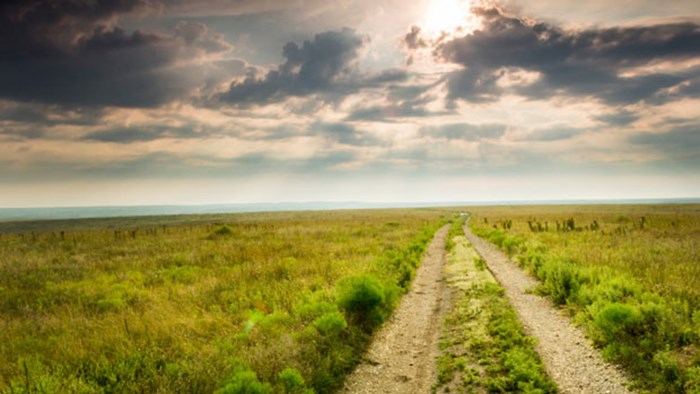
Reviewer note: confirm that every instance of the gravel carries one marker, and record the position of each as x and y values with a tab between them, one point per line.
569	357
402	355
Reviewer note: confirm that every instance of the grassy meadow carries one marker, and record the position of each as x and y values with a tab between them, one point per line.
629	274
276	302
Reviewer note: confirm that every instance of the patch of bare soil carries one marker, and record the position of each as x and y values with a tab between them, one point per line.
401	358
569	357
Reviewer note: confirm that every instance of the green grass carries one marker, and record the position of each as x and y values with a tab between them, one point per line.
629	274
483	347
277	302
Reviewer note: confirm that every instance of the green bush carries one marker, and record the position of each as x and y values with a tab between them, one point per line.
221	231
293	382
525	373
561	282
245	382
331	324
617	321
363	298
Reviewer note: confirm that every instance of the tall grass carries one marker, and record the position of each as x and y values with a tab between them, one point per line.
629	274
251	302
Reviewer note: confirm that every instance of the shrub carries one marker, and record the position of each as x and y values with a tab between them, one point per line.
561	282
221	231
616	321
331	324
363	298
292	381
245	382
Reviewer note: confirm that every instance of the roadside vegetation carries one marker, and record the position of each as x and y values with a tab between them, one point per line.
483	347
277	302
629	274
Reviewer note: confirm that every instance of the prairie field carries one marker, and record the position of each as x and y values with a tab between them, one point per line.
282	302
629	274
288	301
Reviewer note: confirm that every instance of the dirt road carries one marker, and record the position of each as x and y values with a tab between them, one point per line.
568	356
401	358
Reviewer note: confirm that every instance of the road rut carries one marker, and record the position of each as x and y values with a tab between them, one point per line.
401	357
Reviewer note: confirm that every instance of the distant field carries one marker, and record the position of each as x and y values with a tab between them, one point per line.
278	301
629	273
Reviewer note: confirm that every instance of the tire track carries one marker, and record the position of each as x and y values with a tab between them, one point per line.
401	357
569	357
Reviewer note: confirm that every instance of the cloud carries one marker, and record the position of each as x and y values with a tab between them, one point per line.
344	134
125	135
601	63
388	113
74	53
325	64
680	141
465	131
555	133
412	39
402	101
621	118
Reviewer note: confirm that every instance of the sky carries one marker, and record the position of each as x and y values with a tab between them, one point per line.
139	102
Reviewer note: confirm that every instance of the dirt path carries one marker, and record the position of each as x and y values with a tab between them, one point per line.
401	358
568	356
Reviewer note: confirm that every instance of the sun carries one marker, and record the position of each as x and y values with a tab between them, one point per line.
446	16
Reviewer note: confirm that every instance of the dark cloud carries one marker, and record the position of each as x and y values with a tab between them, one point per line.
35	27
125	135
22	132
402	101
569	62
681	140
344	133
73	53
392	75
412	39
40	115
388	113
325	64
621	118
465	131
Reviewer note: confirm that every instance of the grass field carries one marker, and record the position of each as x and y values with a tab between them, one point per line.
286	302
630	274
280	302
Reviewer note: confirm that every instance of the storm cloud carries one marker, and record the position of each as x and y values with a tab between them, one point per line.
598	62
152	101
326	63
74	53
